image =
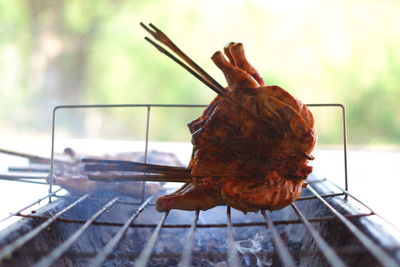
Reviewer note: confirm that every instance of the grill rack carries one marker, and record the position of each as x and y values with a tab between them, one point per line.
383	257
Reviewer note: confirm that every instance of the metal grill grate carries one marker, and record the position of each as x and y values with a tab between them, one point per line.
334	214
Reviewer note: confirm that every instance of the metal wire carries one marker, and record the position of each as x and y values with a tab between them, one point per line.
281	248
146	252
60	250
187	251
347	193
149	106
96	198
375	250
324	196
10	248
208	225
53	125
24	179
102	256
30	205
146	147
344	250
333	259
344	132
233	258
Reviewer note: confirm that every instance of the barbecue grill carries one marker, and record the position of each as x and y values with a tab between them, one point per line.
326	226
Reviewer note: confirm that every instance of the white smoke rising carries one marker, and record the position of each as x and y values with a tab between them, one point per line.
253	246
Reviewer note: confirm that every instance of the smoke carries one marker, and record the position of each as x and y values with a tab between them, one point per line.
252	247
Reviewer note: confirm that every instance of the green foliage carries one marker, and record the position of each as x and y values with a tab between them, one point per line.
75	51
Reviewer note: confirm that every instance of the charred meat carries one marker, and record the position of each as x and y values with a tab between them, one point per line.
252	144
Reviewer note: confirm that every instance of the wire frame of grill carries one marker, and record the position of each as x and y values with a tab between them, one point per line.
232	254
149	107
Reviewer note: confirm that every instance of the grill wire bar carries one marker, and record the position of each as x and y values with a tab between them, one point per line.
60	250
344	133
187	251
146	252
282	250
333	259
107	250
382	257
10	248
30	205
217	225
347	193
146	147
316	195
233	258
149	106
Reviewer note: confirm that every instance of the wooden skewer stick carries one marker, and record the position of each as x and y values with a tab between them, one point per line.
151	169
120	165
204	77
28	169
165	177
19	177
168	54
139	178
164	39
32	158
201	74
128	168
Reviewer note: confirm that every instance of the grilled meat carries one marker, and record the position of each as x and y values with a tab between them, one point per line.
253	144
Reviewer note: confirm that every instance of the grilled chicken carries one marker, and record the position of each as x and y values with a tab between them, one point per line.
273	192
252	145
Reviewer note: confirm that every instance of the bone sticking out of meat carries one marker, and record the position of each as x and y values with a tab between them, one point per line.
249	129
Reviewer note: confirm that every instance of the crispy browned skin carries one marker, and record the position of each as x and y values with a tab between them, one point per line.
273	192
258	130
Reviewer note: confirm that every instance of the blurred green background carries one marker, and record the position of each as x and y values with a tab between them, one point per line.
93	52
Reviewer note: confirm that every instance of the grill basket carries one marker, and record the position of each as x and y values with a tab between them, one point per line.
326	226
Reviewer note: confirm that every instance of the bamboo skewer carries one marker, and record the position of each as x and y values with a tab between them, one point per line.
18	177
103	165
146	172
128	168
139	178
116	177
164	39
204	77
31	157
157	172
168	54
120	165
160	173
28	169
201	74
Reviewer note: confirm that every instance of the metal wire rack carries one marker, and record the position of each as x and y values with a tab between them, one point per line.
333	215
